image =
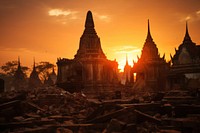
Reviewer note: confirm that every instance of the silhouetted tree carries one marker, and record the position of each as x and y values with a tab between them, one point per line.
44	68
11	66
8	70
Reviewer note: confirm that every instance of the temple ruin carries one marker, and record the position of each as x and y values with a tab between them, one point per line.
151	69
185	70
90	71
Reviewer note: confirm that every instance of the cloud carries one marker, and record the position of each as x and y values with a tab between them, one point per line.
198	12
59	12
126	49
63	15
195	16
104	18
188	18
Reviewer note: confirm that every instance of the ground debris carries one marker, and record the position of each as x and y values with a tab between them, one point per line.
52	109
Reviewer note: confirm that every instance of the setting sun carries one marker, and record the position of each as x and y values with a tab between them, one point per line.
121	59
48	30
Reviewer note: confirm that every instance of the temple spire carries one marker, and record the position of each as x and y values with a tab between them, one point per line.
34	63
90	44
149	38
89	23
19	65
187	36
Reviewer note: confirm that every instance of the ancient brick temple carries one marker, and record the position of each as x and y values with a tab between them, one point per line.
34	80
127	73
19	81
150	68
185	67
90	71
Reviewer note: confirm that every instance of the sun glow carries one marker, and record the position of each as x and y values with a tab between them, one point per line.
121	59
119	53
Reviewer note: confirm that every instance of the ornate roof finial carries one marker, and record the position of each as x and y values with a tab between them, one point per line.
148	28
19	65
149	38
33	63
187	36
53	71
89	23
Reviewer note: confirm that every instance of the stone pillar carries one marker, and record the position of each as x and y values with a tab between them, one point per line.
90	69
99	72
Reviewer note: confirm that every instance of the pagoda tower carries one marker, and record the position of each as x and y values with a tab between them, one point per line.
19	81
34	80
90	45
185	69
187	51
127	72
151	69
52	78
90	71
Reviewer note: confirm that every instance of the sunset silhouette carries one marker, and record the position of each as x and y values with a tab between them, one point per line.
47	30
124	66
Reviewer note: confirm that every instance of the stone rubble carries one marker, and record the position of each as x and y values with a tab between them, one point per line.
52	109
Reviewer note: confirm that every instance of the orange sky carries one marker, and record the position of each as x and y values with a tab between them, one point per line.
48	29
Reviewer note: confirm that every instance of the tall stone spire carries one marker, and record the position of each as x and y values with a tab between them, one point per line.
34	68
19	65
127	69
149	38
90	45
187	45
89	24
19	69
187	36
150	49
19	77
34	64
34	80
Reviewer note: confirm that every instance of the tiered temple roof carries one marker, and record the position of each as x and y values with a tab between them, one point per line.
34	80
90	45
187	52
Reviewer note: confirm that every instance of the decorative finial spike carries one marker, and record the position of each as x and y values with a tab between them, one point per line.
187	28
148	27
163	56
33	62
19	64
18	60
186	25
149	38
89	23
187	36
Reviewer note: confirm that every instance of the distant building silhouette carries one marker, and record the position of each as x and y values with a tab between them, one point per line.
52	78
34	80
150	68
90	70
19	81
185	63
127	73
